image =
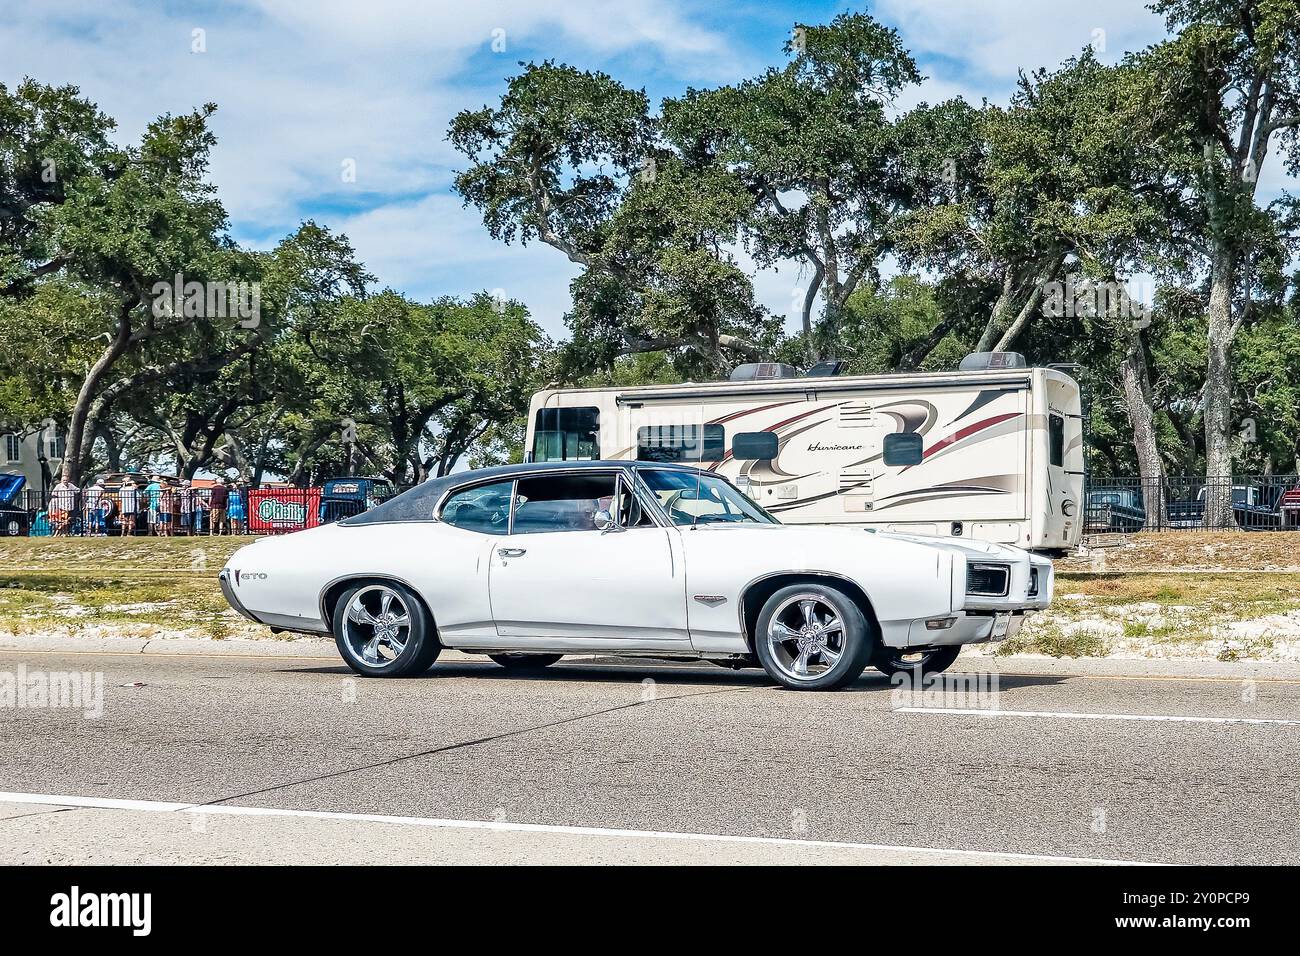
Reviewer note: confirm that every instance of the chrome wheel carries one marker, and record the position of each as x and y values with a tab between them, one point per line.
377	625
805	636
931	660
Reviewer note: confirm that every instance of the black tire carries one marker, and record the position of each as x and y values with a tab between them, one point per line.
525	662
418	652
891	660
833	610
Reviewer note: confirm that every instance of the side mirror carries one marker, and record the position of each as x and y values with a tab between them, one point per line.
604	522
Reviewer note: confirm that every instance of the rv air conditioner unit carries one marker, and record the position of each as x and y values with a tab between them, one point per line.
979	361
826	368
761	371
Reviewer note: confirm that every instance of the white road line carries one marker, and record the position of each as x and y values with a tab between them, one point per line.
1073	715
155	806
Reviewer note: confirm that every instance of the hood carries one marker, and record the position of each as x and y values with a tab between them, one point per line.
10	485
970	549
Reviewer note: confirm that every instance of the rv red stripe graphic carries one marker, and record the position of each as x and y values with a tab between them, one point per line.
771	428
965	432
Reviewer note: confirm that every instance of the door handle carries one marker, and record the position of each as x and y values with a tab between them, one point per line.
512	552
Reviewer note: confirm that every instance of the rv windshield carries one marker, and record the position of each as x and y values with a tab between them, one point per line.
698	498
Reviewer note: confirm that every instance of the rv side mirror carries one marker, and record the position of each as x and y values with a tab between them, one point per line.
754	446
902	448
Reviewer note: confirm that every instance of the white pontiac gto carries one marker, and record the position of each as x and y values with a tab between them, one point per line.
527	563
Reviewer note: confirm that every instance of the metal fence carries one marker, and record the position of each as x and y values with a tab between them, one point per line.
168	512
1123	505
1186	503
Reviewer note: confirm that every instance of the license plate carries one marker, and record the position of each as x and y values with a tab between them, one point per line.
1000	624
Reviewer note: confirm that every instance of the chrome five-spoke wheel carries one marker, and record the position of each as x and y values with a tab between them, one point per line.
812	637
381	630
377	625
805	637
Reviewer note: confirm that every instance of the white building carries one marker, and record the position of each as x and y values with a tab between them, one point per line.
21	452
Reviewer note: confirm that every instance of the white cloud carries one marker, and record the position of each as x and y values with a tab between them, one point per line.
303	87
431	246
995	38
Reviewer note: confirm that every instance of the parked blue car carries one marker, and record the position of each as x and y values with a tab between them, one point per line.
14	519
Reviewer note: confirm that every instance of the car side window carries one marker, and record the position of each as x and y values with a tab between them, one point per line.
562	502
631	514
483	508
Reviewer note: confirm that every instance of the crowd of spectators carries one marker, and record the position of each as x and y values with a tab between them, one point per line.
155	506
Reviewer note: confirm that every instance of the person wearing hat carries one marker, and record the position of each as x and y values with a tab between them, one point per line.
128	503
94	517
63	499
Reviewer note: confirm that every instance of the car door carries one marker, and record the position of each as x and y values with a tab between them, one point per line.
558	579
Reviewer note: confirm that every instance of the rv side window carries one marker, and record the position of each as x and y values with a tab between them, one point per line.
1056	440
680	442
567	434
902	448
754	446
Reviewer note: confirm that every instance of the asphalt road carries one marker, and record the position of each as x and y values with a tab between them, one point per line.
483	765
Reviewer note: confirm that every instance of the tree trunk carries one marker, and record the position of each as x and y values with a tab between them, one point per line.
1000	308
1137	395
1022	317
1218	395
73	454
809	300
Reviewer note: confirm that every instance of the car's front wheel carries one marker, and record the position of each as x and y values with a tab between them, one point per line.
525	662
383	630
812	637
898	660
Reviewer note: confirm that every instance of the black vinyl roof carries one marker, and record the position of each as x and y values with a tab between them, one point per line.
417	504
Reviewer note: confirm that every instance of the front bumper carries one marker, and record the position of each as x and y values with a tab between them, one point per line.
977	618
976	627
1031	584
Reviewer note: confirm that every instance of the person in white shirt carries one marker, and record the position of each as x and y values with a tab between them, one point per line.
93	521
128	499
62	501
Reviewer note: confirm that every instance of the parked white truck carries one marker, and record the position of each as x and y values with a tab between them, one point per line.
993	451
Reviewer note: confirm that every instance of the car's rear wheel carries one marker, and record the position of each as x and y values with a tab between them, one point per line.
812	637
383	630
898	660
525	662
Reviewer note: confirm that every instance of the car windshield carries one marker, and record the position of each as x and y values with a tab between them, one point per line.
692	498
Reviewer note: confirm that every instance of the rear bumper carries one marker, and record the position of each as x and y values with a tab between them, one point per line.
231	599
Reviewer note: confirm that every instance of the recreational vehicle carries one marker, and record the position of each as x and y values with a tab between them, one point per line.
993	451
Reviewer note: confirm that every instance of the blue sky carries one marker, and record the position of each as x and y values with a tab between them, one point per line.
302	87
